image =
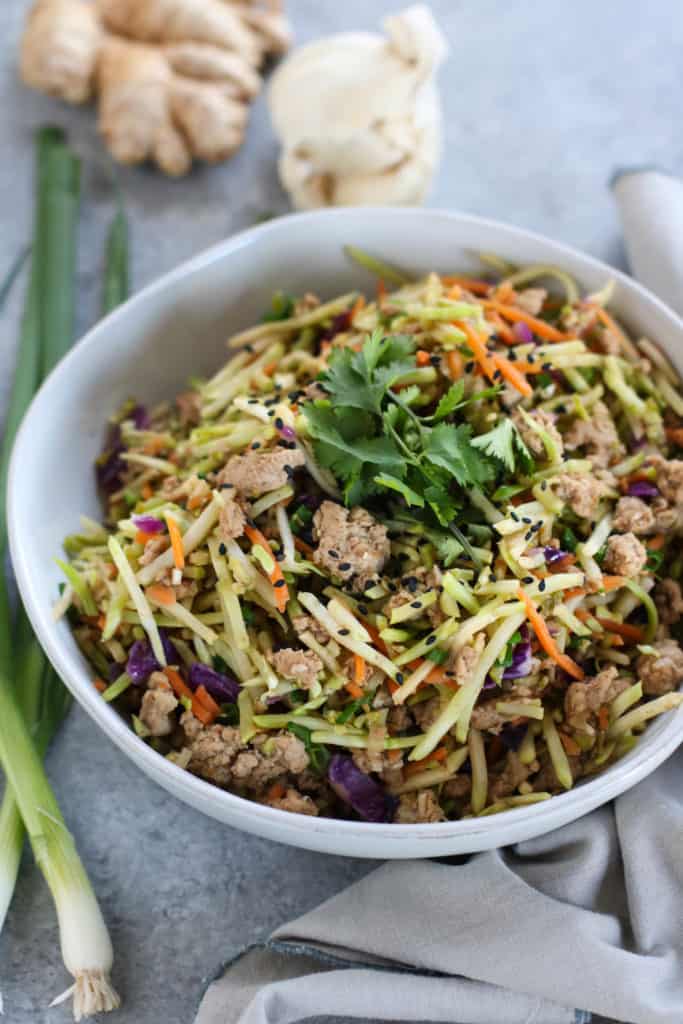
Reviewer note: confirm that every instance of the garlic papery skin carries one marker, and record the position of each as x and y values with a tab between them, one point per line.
358	115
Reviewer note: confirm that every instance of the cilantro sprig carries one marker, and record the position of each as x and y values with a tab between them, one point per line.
373	441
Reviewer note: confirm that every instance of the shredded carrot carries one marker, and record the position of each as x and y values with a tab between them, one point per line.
181	689
607	321
421	357
440	754
197	501
358	669
454	292
354	689
513	375
675	435
393	687
570	745
582	614
603	718
203	696
479	349
545	639
153	447
394	755
141	537
575	592
99	685
381	292
176	542
505	292
325	349
270	368
276	791
539	327
612	582
613	640
625	629
147	491
503	330
358	305
275	575
656	543
303	547
160	594
562	563
456	364
471	284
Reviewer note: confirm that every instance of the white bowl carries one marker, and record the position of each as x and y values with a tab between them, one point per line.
176	328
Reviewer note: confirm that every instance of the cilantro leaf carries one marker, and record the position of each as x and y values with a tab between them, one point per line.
451	448
394	484
450	401
504	443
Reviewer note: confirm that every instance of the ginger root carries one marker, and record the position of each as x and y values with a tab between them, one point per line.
174	78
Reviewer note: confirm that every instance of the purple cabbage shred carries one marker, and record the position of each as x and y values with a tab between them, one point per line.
366	796
222	688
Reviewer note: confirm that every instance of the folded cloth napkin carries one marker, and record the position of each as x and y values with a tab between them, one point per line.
651	208
587	919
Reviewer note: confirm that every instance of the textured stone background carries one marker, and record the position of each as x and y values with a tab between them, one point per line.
544	101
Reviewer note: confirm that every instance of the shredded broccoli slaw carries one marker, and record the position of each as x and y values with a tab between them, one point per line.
408	559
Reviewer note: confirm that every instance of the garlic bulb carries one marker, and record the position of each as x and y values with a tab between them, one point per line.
358	114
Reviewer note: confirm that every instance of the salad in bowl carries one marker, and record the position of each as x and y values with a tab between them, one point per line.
407	558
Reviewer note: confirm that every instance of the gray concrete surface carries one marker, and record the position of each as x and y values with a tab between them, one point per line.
544	101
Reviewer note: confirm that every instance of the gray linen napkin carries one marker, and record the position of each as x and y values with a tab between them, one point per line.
587	919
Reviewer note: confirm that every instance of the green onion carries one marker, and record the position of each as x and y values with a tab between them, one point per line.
115	289
28	720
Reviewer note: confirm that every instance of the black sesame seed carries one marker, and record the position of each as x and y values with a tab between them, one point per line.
531	358
227	487
430	640
512	355
528	535
279	423
526	519
435	360
497	375
541	585
344	632
255	445
222	550
544	486
392	587
536	527
280	556
546	366
344	566
279	583
249	348
363	609
252	401
561	408
513	515
332	553
469	366
399	677
271	412
416	604
528	579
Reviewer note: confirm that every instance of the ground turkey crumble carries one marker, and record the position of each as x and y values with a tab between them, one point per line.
258	472
158	706
297	665
583	701
531	439
669	601
661	672
418	808
231	521
633	515
582	493
351	545
625	556
217	754
597	435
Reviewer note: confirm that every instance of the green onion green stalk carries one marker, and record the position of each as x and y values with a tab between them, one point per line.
32	709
